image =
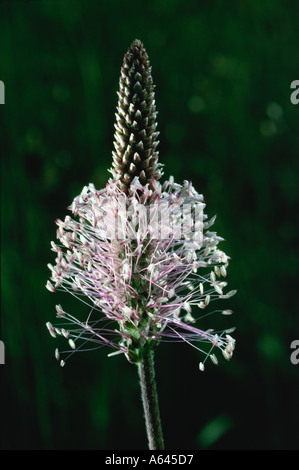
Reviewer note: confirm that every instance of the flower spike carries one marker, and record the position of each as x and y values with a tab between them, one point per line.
135	138
140	254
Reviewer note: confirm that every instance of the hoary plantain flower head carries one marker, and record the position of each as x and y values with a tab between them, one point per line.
140	254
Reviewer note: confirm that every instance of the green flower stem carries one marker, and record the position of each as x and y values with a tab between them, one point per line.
150	401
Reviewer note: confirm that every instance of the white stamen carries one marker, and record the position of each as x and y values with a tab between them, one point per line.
50	286
227	312
214	359
51	329
171	293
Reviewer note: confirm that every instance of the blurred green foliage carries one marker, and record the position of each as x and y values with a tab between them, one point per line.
222	72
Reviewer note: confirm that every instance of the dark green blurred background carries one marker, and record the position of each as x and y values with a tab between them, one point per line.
222	72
